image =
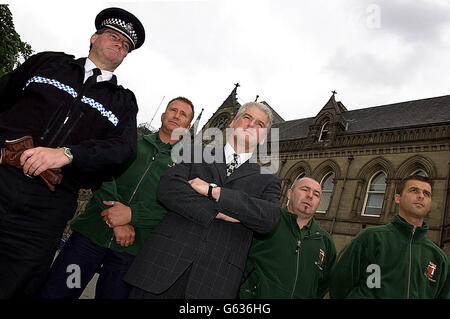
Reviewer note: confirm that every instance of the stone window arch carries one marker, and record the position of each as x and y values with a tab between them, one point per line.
420	172
301	175
327	184
221	121
417	163
365	177
324	130
298	170
327	172
375	194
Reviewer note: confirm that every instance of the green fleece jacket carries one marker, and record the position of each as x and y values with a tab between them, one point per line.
289	262
396	260
136	187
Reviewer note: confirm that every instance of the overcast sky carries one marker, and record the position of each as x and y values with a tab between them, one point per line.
291	53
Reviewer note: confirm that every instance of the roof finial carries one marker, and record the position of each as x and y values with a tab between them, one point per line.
237	85
257	96
334	92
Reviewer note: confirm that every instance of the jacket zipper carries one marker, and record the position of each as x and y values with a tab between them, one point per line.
71	128
297	252
410	261
58	131
142	177
51	123
135	189
68	115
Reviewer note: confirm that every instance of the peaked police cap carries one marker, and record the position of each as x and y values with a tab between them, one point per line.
124	22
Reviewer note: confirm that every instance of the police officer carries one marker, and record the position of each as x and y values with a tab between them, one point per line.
65	124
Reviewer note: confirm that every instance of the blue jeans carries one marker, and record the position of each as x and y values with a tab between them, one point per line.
80	251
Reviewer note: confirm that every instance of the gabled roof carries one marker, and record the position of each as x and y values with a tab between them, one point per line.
422	112
276	117
335	107
231	100
405	114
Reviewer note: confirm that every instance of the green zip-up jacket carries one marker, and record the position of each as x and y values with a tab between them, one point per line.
136	187
289	262
396	260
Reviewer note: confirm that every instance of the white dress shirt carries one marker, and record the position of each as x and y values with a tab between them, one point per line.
229	151
89	66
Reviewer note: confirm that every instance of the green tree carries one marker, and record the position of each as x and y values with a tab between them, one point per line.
12	49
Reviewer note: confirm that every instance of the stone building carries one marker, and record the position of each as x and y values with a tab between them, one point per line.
359	156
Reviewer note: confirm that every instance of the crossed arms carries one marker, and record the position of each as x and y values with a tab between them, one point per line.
188	197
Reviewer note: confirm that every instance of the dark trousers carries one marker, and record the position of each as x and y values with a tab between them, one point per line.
83	258
32	220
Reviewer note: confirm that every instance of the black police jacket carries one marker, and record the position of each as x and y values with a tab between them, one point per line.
44	98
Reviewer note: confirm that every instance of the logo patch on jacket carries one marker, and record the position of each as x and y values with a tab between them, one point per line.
431	270
319	262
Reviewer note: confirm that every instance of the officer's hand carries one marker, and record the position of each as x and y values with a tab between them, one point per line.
38	159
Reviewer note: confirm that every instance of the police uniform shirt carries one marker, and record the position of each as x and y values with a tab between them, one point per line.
89	66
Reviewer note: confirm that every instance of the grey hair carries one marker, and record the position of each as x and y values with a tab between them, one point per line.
260	106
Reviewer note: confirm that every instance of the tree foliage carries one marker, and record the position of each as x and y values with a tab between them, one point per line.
12	48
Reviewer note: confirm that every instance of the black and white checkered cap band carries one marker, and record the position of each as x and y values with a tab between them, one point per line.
126	29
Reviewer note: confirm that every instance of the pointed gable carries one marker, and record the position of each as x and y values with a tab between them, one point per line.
332	111
429	111
231	101
223	116
333	106
276	117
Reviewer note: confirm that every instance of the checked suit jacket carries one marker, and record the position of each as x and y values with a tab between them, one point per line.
190	235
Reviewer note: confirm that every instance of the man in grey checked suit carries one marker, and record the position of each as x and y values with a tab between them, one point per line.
200	248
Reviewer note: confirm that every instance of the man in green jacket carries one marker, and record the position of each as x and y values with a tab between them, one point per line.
396	260
119	217
296	258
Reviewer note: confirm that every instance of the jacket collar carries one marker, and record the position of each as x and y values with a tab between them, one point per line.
406	229
245	169
155	140
249	167
311	229
81	62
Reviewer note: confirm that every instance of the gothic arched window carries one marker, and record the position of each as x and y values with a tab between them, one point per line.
324	131
327	190
375	195
420	172
221	122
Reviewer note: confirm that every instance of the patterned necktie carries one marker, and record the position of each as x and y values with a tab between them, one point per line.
232	165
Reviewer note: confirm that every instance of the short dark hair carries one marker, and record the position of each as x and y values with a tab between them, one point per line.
186	100
401	186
